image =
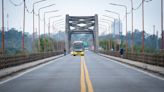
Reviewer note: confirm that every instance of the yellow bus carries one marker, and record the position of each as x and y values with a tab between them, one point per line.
77	48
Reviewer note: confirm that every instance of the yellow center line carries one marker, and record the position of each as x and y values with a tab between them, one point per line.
85	76
83	86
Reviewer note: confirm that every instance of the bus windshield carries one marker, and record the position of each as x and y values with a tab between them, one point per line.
78	46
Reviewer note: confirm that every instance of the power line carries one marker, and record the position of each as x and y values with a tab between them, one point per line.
139	5
134	9
16	4
28	9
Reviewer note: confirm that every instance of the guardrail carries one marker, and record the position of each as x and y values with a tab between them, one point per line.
154	59
8	61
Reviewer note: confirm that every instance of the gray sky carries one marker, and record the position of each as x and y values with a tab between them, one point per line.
84	8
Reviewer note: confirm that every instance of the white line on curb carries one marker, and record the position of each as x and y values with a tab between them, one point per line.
136	69
27	71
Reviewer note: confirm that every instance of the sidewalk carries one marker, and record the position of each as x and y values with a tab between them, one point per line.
11	70
153	68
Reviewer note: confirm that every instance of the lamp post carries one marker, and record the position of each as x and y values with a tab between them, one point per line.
24	13
162	40
143	24
45	27
54	24
132	48
110	31
3	46
49	23
119	23
125	22
109	26
34	15
104	27
113	28
39	23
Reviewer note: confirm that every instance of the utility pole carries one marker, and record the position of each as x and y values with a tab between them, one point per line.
3	46
23	26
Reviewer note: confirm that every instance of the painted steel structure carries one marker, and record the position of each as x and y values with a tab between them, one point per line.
81	25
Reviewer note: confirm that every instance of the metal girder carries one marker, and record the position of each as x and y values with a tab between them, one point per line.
81	25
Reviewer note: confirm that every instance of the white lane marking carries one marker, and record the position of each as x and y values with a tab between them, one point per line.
29	70
136	69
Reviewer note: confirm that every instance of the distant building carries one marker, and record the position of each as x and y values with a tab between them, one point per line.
115	27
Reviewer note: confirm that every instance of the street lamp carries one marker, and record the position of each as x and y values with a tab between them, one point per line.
3	46
45	27
113	28
143	21
162	40
110	31
103	21
54	24
24	14
44	17
132	48
119	22
34	15
104	27
39	22
125	21
49	24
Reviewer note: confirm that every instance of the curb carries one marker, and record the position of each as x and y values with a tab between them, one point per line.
144	66
16	69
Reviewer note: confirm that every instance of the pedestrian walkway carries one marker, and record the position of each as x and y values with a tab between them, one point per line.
11	70
153	68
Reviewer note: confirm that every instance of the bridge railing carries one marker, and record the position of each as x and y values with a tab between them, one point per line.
8	61
154	59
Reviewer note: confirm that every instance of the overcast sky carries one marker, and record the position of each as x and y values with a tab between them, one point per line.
83	8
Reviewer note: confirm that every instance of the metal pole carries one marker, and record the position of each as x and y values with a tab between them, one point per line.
39	22
39	31
34	15
114	36
49	27
7	22
23	26
162	41
119	22
44	34
3	46
45	28
126	32
132	48
125	21
119	34
33	21
143	26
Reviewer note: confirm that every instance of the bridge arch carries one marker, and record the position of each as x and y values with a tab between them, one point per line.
81	25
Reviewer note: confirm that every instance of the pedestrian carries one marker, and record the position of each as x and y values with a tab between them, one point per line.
64	51
121	52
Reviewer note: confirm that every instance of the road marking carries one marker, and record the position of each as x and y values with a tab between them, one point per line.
136	69
83	86
85	72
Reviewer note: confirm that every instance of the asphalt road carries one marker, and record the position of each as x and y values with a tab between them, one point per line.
91	73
